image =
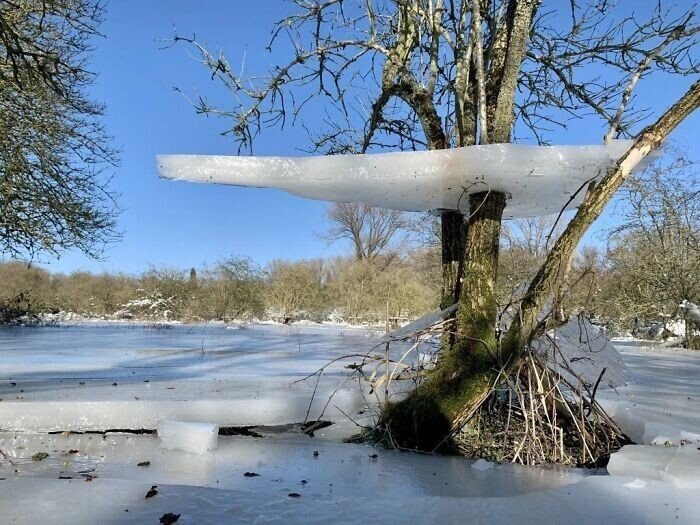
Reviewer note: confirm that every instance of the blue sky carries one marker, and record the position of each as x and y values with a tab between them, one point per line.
183	225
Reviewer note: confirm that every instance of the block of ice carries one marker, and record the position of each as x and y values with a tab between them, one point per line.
482	464
636	484
538	179
195	438
678	465
586	349
629	421
641	461
684	468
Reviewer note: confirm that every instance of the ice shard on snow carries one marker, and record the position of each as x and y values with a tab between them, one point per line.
538	179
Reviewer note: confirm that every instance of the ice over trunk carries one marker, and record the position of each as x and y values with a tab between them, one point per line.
538	180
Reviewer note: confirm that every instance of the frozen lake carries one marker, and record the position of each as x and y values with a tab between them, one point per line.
129	376
92	377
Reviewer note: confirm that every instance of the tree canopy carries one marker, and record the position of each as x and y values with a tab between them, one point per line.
54	194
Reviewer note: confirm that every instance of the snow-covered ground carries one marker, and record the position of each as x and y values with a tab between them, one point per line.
58	379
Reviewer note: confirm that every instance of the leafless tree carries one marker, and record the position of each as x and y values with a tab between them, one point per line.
53	149
370	230
654	253
533	235
433	74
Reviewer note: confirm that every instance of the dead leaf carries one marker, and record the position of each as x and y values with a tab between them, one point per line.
40	456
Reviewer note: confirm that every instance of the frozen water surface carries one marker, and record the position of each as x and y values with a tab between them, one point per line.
660	405
65	376
96	378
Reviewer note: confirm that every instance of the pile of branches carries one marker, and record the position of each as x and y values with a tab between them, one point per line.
534	415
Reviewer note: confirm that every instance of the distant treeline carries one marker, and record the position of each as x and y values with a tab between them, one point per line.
341	289
640	280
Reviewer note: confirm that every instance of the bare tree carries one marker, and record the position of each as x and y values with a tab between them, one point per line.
295	288
533	235
52	146
370	230
433	74
654	253
233	289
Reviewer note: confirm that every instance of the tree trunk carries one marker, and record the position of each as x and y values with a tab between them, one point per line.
467	368
453	234
477	311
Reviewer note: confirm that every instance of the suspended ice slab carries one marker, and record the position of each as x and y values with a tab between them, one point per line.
539	179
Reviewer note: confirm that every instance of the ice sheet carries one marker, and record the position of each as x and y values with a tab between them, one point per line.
659	405
92	377
343	484
539	179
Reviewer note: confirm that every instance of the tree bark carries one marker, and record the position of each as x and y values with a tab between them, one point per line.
453	234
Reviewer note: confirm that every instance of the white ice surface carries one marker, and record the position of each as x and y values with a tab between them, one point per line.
342	484
660	404
195	438
539	179
90	377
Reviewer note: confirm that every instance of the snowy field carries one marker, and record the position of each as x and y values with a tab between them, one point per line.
96	378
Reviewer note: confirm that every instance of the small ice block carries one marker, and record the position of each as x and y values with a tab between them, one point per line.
195	438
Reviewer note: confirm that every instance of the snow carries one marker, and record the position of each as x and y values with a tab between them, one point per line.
692	310
539	179
195	438
102	481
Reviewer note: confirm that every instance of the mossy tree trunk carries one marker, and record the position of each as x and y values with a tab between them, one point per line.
467	367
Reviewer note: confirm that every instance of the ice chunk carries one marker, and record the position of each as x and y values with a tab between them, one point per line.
636	484
538	179
586	349
627	418
482	464
641	461
196	438
424	322
678	465
684	468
